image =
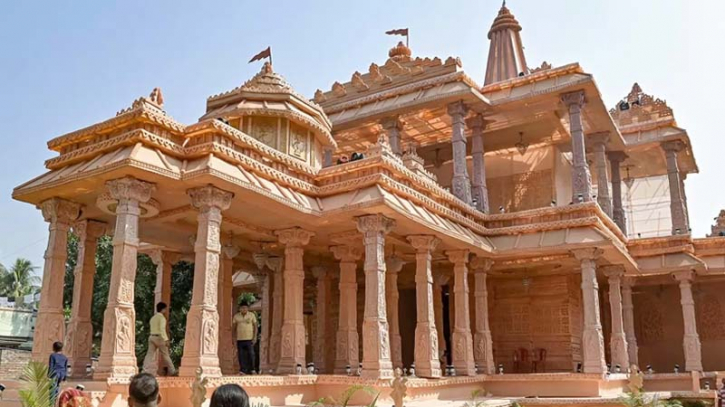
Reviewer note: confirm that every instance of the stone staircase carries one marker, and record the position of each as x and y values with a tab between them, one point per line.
11	397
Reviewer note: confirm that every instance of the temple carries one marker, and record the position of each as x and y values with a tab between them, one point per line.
519	235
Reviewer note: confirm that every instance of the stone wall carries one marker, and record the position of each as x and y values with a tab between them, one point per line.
12	363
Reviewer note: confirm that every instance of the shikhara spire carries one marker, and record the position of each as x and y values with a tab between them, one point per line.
506	58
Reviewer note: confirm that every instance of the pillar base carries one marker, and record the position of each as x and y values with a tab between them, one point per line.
426	352
482	354
463	354
79	341
693	360
292	351
593	343
618	346
209	366
347	351
49	328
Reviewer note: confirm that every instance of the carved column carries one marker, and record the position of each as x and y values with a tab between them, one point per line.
225	308
324	293
162	289
483	345
592	337
439	280
275	265
479	190
50	323
677	202
461	184
463	358
427	362
326	157
581	179
201	342
80	328
347	348
683	177
599	145
292	350
265	279
618	339
615	161
376	341
691	342
118	353
392	127
628	318
393	265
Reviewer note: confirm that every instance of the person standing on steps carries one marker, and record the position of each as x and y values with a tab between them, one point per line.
158	343
244	326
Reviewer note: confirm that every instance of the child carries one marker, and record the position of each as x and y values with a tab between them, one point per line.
57	367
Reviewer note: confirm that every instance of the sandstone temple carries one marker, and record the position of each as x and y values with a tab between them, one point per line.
522	235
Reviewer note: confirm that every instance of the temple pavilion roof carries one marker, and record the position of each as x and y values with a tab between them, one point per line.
269	94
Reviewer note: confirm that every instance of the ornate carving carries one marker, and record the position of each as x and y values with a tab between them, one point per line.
294	237
129	188
573	98
210	196
710	325
424	243
57	210
198	388
375	223
639	107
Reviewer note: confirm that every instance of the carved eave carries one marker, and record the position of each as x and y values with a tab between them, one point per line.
663	255
646	157
711	251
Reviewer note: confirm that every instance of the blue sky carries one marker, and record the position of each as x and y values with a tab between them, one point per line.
65	65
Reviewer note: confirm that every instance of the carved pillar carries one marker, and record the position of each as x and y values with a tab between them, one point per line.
225	308
463	358
162	289
461	184
677	202
691	342
483	345
275	265
326	157
376	341
439	280
581	179
618	339
50	323
628	319
292	350
118	353
592	337
392	127
479	190
615	160
347	347
393	265
324	293
683	177
265	279
201	342
80	328
599	145
427	362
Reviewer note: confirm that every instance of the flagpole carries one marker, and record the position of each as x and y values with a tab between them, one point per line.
407	40
270	56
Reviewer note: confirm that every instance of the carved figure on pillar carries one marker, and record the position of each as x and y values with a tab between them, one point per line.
618	339
427	363
461	184
347	348
322	312
118	353
615	160
226	309
599	146
275	265
581	179
479	190
80	328
482	343
292	350
628	318
201	342
376	340
264	279
463	358
691	340
439	280
592	337
677	200
392	127
393	265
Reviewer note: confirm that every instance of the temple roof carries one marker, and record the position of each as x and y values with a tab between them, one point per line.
506	57
268	93
638	107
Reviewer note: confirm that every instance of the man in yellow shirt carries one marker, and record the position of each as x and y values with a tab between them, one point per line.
244	326
158	342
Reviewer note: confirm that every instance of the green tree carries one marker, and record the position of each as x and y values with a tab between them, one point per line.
20	280
4	281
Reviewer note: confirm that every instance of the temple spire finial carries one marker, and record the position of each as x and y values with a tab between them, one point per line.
506	58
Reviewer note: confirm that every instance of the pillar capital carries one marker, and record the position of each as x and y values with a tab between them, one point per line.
130	188
375	223
458	109
441	278
458	256
346	253
392	122
89	229
616	156
294	237
590	253
614	272
481	264
320	272
260	259
58	210
394	264
599	140
685	276
231	251
210	196
575	98
424	243
672	146
274	263
477	123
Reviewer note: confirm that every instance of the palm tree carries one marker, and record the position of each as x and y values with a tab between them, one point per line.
23	280
4	281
